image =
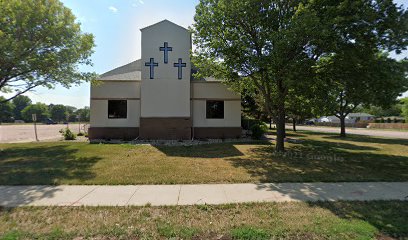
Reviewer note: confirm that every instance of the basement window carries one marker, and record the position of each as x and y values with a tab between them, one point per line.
215	109
117	109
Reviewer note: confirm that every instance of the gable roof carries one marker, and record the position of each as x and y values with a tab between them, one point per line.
133	72
163	22
130	71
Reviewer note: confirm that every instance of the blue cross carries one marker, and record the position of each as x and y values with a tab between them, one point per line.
151	64
166	50
180	66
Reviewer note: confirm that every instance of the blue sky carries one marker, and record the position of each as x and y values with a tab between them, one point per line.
116	24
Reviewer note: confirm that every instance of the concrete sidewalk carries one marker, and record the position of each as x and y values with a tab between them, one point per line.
139	195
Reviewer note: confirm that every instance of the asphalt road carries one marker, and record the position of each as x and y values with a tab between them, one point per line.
359	131
25	132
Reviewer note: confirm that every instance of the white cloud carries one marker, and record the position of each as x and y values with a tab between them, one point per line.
136	3
113	9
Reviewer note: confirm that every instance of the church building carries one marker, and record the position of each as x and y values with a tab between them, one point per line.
157	97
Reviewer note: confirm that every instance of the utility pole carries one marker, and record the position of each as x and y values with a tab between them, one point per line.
34	117
79	123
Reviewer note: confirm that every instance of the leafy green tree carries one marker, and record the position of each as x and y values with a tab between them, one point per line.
299	108
40	109
394	110
258	46
71	113
405	108
355	63
41	45
360	77
6	111
58	113
84	114
20	102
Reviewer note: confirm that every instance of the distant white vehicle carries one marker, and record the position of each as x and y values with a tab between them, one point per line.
351	118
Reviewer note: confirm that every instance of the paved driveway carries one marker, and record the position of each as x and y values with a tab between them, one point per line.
25	133
360	131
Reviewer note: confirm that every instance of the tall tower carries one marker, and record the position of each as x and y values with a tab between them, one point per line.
165	87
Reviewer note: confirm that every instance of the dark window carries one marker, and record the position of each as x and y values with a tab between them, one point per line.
215	109
117	109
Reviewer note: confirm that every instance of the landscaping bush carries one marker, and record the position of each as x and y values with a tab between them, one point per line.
68	134
80	134
248	123
258	130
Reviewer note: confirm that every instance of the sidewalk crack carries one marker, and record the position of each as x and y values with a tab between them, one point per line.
84	196
178	197
137	188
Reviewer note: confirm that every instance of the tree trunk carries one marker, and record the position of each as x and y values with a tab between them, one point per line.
294	124
270	123
342	126
280	130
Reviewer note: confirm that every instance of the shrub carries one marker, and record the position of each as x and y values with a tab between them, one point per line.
247	123
68	134
382	120
80	134
258	130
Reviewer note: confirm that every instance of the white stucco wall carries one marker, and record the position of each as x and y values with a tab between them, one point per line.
203	91
232	114
212	90
165	95
99	115
116	89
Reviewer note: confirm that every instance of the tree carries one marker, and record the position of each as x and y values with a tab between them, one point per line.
394	110
6	111
84	114
355	63
58	113
362	78
405	108
20	102
40	109
257	45
41	45
299	108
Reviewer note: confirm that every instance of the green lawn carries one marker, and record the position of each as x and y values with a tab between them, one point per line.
328	220
319	157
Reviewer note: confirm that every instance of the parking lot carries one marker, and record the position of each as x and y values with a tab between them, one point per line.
25	132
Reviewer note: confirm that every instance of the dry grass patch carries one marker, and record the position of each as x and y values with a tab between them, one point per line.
338	220
317	157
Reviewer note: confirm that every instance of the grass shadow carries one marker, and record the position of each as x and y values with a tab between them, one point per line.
44	165
389	217
369	139
219	150
314	160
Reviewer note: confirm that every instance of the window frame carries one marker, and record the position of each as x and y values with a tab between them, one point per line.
206	109
118	117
